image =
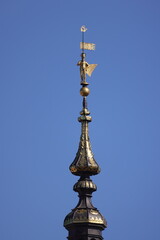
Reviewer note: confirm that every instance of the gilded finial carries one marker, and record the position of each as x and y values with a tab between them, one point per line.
85	67
84	162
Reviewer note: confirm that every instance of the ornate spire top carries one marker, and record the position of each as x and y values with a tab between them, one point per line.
85	222
84	162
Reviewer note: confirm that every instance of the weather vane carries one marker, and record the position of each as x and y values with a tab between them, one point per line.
85	68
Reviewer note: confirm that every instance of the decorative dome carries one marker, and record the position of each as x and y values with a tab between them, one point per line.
92	216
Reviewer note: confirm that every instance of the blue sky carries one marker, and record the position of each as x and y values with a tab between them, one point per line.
40	103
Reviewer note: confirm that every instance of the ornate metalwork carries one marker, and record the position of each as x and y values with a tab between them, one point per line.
85	216
84	161
84	222
85	67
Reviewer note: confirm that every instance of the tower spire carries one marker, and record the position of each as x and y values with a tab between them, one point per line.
85	222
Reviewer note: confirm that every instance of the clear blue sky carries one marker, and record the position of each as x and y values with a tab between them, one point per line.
40	103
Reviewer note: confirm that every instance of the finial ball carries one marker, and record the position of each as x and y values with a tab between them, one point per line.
84	91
